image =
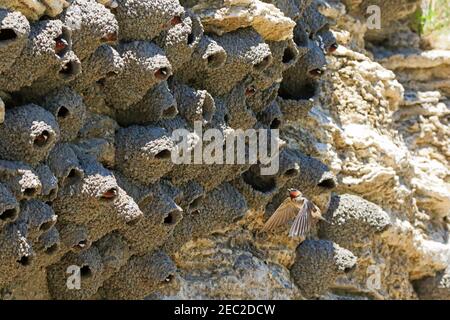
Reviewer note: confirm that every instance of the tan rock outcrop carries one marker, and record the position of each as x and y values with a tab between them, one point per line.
34	9
229	15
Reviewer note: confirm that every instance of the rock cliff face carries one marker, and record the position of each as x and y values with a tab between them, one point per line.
91	93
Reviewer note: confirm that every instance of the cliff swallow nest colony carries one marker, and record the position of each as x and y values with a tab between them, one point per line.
91	92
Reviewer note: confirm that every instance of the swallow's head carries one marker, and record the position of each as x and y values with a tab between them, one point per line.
333	48
294	193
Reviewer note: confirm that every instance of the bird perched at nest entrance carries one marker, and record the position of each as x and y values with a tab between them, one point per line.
295	206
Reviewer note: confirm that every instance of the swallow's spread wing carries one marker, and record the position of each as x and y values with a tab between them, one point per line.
302	222
285	212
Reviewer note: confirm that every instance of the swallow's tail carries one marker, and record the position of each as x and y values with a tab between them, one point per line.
325	220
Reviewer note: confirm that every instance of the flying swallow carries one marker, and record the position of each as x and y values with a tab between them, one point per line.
305	212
